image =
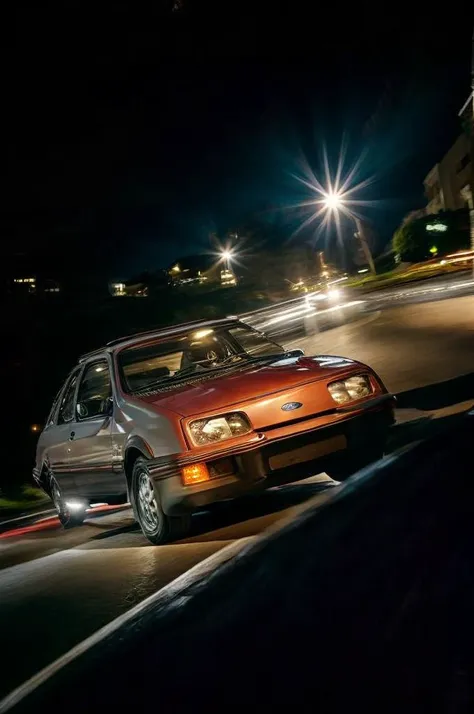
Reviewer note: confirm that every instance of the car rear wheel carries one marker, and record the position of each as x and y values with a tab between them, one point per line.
68	516
156	525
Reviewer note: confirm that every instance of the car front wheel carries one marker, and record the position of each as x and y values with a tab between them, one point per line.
156	525
69	514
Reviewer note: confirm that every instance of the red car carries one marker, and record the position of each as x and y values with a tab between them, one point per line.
182	417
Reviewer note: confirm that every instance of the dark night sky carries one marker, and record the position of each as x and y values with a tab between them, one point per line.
132	133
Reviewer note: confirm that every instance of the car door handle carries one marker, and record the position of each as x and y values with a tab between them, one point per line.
72	435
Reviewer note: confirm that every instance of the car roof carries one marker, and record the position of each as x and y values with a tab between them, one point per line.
171	330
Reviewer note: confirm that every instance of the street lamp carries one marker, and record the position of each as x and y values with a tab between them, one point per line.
333	201
227	256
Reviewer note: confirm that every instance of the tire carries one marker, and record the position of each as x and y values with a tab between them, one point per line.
158	527
67	518
354	461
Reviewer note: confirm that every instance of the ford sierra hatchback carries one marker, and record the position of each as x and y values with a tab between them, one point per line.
179	418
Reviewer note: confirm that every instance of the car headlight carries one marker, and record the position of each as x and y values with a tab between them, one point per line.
350	389
208	431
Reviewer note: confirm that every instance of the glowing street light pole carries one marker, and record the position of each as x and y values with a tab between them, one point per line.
364	245
227	257
333	201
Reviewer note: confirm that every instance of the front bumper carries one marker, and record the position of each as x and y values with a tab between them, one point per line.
361	425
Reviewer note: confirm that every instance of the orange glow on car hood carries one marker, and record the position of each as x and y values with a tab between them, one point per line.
247	385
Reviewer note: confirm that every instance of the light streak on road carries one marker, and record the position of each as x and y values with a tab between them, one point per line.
290	315
400	293
283	318
52	522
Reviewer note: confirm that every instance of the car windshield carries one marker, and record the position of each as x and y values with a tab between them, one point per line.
197	352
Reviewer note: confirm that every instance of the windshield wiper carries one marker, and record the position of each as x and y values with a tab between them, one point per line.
186	371
191	371
199	371
229	359
276	357
254	358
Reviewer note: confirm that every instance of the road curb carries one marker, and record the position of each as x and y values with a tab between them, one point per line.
173	591
161	597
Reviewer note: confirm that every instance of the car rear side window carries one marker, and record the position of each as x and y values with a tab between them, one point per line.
66	410
94	391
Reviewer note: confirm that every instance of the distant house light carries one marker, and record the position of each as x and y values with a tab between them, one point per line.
24	280
118	289
439	227
228	277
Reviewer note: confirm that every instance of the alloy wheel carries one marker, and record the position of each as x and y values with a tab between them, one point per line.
57	498
147	504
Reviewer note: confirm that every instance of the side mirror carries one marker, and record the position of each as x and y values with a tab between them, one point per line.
82	411
110	406
106	407
296	353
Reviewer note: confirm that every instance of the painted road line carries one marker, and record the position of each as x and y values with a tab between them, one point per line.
161	598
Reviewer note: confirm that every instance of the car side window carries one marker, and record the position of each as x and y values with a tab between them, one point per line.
66	410
94	394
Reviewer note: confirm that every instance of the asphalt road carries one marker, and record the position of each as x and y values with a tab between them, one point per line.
58	587
409	346
438	288
290	319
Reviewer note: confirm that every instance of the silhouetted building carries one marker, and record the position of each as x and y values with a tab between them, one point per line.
196	269
467	119
446	183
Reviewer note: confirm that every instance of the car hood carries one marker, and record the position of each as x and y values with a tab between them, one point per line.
249	384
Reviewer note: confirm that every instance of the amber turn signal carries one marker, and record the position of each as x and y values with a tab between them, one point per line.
197	473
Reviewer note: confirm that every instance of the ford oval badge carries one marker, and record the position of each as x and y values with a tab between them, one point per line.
290	406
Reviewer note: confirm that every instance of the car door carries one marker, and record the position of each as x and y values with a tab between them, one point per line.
55	438
90	440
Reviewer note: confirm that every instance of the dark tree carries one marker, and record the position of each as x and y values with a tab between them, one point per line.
446	232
